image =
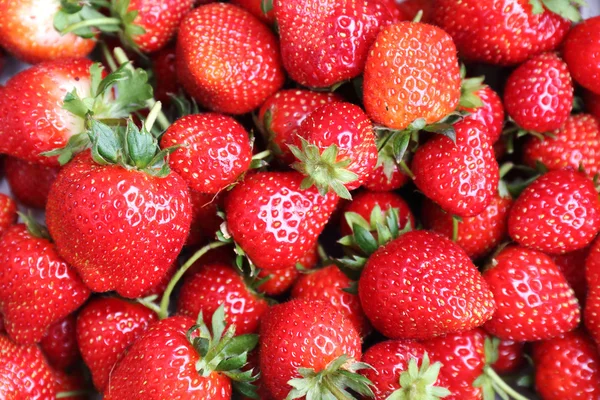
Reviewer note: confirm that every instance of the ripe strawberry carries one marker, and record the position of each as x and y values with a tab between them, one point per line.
533	298
393	8
335	148
324	43
572	266
567	368
29	182
281	115
240	73
581	49
411	73
461	177
282	279
558	213
443	290
106	327
575	144
510	356
377	180
216	284
205	221
160	288
502	32
258	9
70	383
59	344
29	257
273	220
490	114
24	373
592	303
538	95
215	151
8	213
592	103
476	235
164	65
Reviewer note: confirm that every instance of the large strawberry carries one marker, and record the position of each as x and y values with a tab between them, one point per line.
442	290
273	220
461	176
60	343
558	213
232	66
581	51
490	113
29	182
503	32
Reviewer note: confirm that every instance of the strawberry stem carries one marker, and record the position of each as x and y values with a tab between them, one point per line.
110	60
98	22
455	222
489	371
406	169
72	393
148	302
334	390
261	155
151	119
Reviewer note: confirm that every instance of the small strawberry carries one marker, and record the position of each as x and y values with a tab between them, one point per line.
205	221
29	182
378	180
106	327
533	298
510	356
8	213
572	266
237	75
580	50
279	281
558	213
59	344
490	113
164	65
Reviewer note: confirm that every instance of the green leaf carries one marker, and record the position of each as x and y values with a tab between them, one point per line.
76	144
537	6
75	105
365	240
106	147
245	389
240	344
565	8
120	74
232	363
34	227
218	322
133	91
141	145
266	6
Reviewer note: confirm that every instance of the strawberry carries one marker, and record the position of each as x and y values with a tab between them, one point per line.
8	212
160	287
59	344
567	368
325	43
240	73
205	221
335	148
106	327
281	115
592	303
534	299
476	235
24	373
490	113
216	284
308	345
273	220
592	103
398	14
558	213
443	290
378	180
27	255
580	50
72	384
510	356
575	144
261	9
462	177
411	73
215	151
502	32
164	65
572	266
29	182
279	281
538	95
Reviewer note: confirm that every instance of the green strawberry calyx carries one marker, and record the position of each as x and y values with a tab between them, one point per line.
568	9
418	383
469	88
34	228
333	382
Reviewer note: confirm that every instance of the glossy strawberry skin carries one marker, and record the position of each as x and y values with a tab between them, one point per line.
490	114
433	274
8	212
572	266
571	203
510	357
501	32
205	221
215	151
575	144
161	364
60	343
273	220
377	180
106	327
411	72
477	235
302	333
282	279
534	299
592	304
463	177
581	50
538	95
238	75
161	286
35	263
29	182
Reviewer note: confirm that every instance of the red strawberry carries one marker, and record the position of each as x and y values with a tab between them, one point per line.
59	344
477	235
534	299
70	383
592	103
106	327
164	65
240	73
503	32
301	336
30	258
558	213
29	182
411	73
38	41
576	144
215	151
217	284
592	303
257	8
24	373
160	288
377	180
538	95
491	113
443	290
283	113
273	220
8	212
572	266
205	221
463	177
581	50
567	368
324	43
397	13
510	356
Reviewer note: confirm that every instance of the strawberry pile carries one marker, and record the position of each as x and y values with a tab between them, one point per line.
300	199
